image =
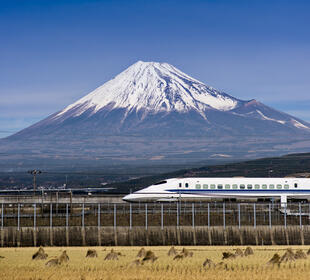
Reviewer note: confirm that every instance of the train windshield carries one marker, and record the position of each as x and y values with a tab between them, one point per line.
160	183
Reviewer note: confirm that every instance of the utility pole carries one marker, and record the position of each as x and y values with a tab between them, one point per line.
34	173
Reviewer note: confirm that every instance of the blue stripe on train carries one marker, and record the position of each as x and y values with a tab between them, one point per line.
235	191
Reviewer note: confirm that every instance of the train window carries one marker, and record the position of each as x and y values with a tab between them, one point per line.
160	183
220	187
180	185
295	185
227	186
271	186
249	187
279	186
186	185
212	186
205	186
235	186
242	187
198	186
264	187
256	186
286	187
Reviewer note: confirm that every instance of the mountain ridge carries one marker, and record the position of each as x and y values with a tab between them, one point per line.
159	90
153	110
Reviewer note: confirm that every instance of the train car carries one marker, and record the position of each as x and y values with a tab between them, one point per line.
191	189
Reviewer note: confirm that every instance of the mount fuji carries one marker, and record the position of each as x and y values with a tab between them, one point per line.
153	111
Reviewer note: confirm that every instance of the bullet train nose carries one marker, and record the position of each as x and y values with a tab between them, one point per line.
129	197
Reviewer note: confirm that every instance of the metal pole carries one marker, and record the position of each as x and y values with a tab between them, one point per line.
300	220
67	215
224	220
285	215
2	216
83	215
70	202
99	215
193	215
208	215
34	216
51	215
162	216
178	215
254	209
114	216
309	211
239	216
18	216
146	216
130	216
34	182
57	199
270	223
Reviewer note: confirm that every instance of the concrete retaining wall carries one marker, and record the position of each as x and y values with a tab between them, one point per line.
139	236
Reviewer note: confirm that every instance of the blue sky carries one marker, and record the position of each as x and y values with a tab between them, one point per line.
54	52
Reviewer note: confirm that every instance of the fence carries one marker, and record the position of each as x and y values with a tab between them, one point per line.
160	215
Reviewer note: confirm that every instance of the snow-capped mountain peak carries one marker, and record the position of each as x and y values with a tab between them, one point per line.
153	111
154	87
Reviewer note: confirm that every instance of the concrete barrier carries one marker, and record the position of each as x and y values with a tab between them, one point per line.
153	236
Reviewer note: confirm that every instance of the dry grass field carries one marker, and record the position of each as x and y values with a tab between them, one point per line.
123	263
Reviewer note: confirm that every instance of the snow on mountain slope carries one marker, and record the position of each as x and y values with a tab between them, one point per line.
153	110
269	119
151	98
156	87
299	124
152	88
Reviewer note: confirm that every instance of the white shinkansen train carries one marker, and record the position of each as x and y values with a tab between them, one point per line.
238	188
